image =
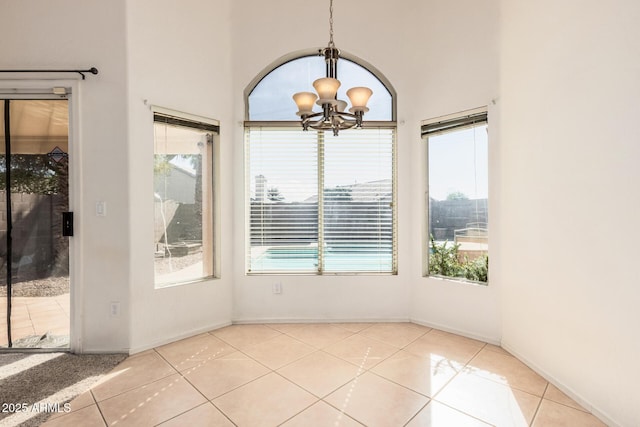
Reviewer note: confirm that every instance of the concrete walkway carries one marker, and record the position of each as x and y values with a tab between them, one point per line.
35	316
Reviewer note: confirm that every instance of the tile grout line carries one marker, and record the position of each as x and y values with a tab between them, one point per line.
353	383
139	386
222	412
399	385
462	370
393	345
55	416
433	399
237	387
498	382
535	414
319	348
156	394
463	412
416	414
370	370
456	374
315	349
321	398
301	411
207	400
166	361
195	407
270	371
99	408
584	410
186	380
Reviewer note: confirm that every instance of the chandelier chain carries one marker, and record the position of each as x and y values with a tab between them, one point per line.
331	44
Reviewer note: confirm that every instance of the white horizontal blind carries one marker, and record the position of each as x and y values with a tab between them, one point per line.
358	208
354	175
282	200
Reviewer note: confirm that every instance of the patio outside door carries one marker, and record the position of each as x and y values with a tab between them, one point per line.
34	194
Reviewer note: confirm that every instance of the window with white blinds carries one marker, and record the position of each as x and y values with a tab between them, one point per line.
184	199
457	149
318	203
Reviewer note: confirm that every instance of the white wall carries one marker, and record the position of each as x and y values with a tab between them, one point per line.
175	56
179	58
72	34
453	66
437	67
570	102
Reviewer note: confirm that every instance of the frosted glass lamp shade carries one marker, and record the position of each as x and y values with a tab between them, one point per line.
359	96
341	105
305	101
327	88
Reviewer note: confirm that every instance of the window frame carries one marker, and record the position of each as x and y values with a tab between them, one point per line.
437	126
210	127
295	124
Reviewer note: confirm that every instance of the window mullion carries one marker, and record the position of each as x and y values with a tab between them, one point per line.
320	202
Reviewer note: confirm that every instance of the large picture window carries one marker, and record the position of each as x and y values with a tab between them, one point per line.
457	244
318	203
183	199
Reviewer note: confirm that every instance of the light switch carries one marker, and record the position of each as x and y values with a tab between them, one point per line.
101	208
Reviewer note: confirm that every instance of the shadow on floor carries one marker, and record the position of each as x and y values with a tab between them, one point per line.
49	378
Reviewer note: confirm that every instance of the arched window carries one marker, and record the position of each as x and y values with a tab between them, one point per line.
319	203
269	97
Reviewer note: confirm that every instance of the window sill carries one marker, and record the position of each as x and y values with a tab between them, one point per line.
188	282
459	280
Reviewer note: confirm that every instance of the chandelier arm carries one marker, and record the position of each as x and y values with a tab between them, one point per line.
334	127
322	125
329	126
344	114
347	118
346	125
356	117
307	119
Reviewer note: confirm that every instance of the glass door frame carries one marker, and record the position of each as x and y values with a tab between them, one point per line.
44	90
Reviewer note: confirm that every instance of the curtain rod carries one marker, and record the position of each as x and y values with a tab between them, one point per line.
92	70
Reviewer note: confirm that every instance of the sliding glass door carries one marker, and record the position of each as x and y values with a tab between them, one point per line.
34	223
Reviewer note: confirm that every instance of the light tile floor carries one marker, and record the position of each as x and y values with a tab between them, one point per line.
353	374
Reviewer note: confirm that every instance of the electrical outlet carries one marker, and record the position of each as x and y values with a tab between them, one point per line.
277	288
114	309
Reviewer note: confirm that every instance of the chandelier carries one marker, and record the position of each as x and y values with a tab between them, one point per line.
332	115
